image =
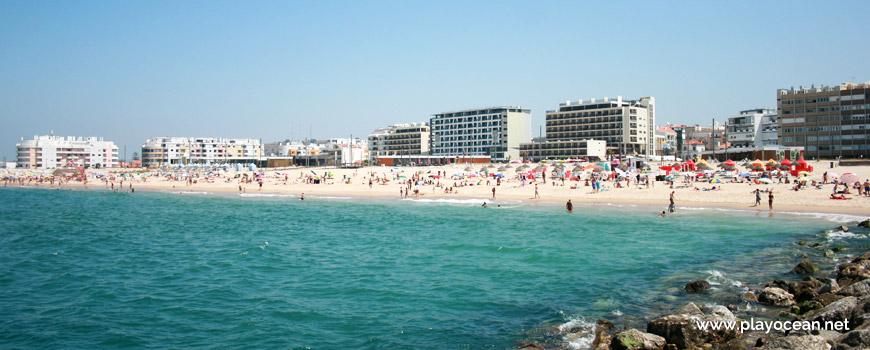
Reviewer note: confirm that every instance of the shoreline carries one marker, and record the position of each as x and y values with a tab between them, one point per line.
312	190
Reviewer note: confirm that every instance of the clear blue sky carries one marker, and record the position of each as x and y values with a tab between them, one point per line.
129	70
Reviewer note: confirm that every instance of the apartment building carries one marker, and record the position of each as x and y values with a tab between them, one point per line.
585	149
628	126
752	128
827	121
199	150
399	139
50	152
496	132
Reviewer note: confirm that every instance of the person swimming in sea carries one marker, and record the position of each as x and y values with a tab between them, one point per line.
569	206
663	214
484	205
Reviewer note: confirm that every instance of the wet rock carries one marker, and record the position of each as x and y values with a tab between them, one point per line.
857	339
801	243
843	228
861	314
532	346
805	267
808	306
735	344
776	296
856	289
814	245
840	249
853	272
839	310
680	328
865	224
749	296
805	290
603	335
828	298
633	339
777	283
697	286
804	342
830	253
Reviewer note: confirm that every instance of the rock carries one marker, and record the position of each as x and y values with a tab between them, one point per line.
861	314
603	335
808	306
777	283
749	296
633	339
839	310
863	257
776	296
532	346
680	327
805	267
801	242
830	253
814	245
840	249
734	344
804	342
829	285
853	272
697	286
865	224
843	228
805	290
856	289
828	298
857	339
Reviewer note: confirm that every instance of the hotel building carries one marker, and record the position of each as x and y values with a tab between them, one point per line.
628	127
753	128
200	150
494	132
398	140
828	121
49	152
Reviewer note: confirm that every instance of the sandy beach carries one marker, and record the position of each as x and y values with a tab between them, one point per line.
727	195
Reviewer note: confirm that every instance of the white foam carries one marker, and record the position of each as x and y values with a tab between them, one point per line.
837	218
195	192
581	339
330	197
840	235
450	201
267	195
717	278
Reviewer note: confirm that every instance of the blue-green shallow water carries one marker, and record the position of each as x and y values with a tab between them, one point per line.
156	270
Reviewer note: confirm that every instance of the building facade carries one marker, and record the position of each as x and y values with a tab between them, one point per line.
628	127
752	128
408	139
586	149
159	151
50	152
496	132
827	121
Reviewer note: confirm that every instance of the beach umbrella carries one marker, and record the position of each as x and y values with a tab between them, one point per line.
597	170
508	166
730	163
577	169
491	166
765	181
804	173
833	175
849	178
802	179
592	166
715	181
468	168
786	162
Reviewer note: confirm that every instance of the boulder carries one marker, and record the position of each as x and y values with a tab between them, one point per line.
749	296
532	346
829	285
865	224
603	335
803	342
853	272
805	290
734	344
843	228
857	339
863	257
839	310
633	339
830	253
697	286
680	328
805	267
777	283
828	298
776	296
856	289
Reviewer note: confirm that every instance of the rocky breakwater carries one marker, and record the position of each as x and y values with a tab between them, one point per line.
814	309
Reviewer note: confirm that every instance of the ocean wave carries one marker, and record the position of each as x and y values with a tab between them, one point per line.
833	217
329	197
837	235
266	195
717	278
193	192
580	333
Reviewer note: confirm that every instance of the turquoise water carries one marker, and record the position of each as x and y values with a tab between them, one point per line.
156	270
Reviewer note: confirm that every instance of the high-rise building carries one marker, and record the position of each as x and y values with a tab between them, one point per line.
398	140
752	128
495	132
628	127
828	121
199	150
49	152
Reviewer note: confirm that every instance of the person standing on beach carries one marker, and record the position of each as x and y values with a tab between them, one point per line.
757	197
671	206
493	193
536	192
302	198
770	200
825	178
569	206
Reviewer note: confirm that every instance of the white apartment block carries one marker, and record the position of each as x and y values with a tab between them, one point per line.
496	132
628	127
399	139
753	128
199	150
50	152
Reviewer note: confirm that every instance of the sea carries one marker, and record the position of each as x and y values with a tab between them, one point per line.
199	270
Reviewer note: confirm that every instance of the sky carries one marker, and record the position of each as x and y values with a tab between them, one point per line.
273	70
